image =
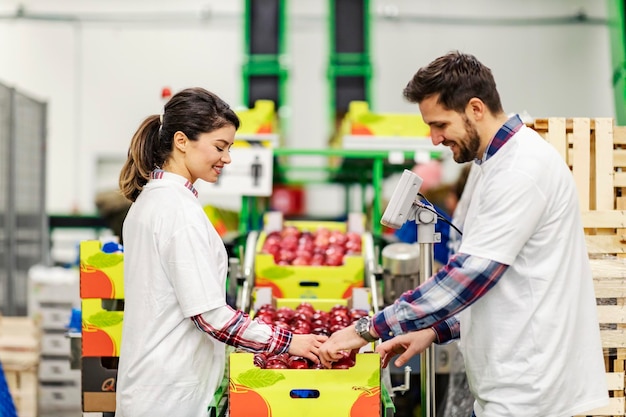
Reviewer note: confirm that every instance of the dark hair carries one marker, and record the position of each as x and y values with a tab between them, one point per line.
457	78
192	111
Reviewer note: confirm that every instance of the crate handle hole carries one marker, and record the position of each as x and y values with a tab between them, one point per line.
304	393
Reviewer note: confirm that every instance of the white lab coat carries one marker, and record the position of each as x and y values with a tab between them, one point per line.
532	343
175	267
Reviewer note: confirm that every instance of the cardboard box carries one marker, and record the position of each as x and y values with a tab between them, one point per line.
303	281
361	298
355	391
102	327
101	274
99	379
256	392
99	402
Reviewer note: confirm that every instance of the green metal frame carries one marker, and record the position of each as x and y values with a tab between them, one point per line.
366	29
263	64
347	70
282	28
348	64
250	215
615	11
266	64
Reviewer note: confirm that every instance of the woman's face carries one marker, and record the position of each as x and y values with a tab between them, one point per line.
206	157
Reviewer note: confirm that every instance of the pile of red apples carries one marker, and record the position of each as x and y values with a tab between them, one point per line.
305	319
322	247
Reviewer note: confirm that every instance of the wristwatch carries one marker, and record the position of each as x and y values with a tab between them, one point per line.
362	327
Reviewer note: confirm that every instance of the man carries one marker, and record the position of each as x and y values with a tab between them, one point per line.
519	292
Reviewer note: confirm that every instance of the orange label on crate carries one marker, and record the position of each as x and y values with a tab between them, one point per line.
101	274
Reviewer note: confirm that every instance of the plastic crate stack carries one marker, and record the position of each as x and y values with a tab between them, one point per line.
52	293
102	305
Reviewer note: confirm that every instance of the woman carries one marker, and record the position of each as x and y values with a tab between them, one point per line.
176	319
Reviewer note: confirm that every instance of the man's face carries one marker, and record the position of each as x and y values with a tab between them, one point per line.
452	129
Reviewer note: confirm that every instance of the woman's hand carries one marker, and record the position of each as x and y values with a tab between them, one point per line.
307	346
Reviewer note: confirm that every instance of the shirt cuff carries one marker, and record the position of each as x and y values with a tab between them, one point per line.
447	330
380	326
280	340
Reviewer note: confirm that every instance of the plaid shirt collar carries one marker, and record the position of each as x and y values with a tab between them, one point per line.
501	137
158	174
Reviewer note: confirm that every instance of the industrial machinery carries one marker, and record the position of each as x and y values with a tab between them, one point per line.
400	262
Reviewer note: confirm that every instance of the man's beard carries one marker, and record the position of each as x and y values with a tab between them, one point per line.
468	148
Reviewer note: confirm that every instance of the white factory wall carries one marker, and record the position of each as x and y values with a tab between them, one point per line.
100	66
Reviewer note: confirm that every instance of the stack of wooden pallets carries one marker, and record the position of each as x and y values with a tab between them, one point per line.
595	150
20	343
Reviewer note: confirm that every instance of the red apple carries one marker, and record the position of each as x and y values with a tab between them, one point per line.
282	325
318	260
260	359
321	330
298	362
306	306
286	255
320	323
356	314
301	261
276	365
335	328
321	241
301	327
289	242
344	363
271	248
290	231
265	317
353	247
279	361
320	315
337	238
284	314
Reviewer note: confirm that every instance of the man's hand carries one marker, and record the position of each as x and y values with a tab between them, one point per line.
405	345
343	340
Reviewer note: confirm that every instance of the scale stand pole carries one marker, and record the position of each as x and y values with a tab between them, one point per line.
426	237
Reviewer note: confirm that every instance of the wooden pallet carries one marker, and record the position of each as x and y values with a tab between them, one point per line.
609	277
595	150
20	344
23	385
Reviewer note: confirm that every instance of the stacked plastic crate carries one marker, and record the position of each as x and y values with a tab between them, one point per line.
53	292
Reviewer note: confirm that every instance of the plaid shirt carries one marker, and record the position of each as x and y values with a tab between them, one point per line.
456	286
233	333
